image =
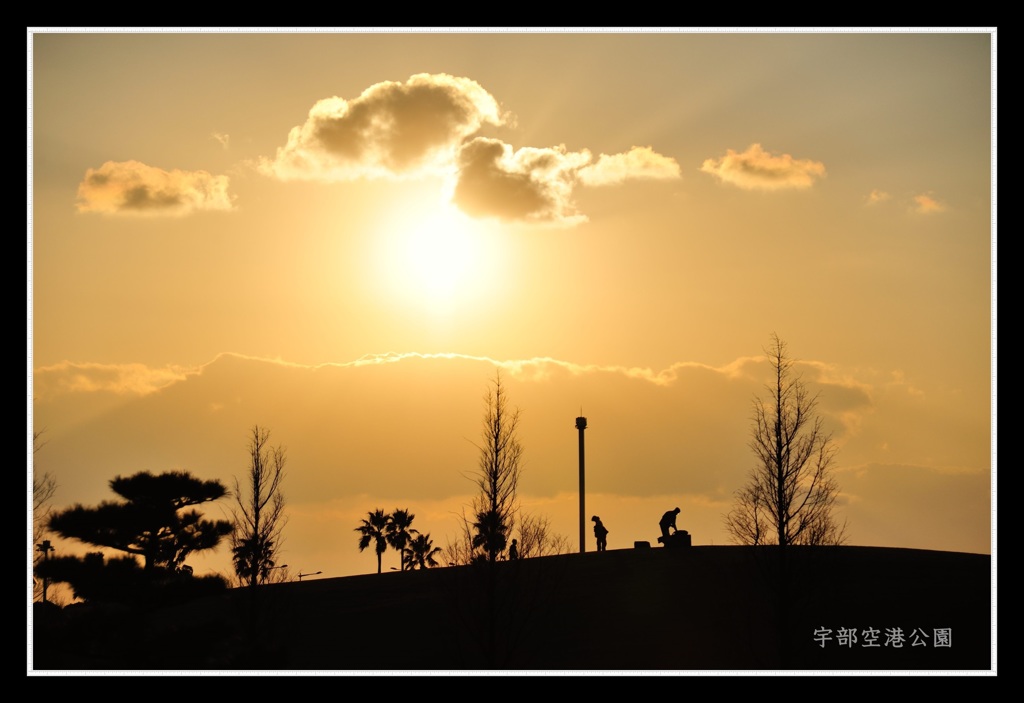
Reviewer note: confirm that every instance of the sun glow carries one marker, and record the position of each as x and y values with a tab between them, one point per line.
439	255
441	261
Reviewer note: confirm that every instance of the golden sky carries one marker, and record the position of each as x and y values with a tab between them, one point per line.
342	236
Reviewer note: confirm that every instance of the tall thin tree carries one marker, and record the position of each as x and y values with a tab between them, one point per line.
44	487
499	470
791	492
259	517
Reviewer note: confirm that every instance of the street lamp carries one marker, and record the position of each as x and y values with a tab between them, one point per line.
45	547
312	574
581	424
267	570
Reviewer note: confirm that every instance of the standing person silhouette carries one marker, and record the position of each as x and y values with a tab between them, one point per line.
601	532
513	550
668	520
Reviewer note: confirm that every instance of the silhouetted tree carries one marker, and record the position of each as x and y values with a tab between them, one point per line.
121	580
498	473
791	492
399	531
421	552
151	521
44	487
259	511
489	535
253	559
374	530
459	551
537	539
494	600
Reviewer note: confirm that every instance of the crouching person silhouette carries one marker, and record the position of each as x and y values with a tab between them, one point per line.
668	520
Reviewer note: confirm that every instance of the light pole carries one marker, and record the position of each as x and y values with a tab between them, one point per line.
312	574
581	424
45	547
266	571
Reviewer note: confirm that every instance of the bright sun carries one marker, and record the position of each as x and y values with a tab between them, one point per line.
441	260
439	254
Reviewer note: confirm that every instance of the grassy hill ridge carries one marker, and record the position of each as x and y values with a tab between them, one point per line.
686	609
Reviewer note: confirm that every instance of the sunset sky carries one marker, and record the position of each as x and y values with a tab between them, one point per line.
342	237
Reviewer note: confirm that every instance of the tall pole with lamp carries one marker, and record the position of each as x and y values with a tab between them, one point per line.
45	547
581	424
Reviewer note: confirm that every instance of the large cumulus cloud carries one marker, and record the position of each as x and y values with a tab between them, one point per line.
536	184
391	129
757	169
430	125
132	187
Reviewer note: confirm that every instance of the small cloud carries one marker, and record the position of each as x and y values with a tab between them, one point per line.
877	196
926	205
132	187
529	184
392	129
756	169
222	138
640	162
899	380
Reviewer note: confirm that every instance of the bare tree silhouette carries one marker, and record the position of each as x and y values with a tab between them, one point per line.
259	511
791	492
538	539
498	473
44	488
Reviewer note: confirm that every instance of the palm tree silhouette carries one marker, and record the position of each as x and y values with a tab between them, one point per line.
490	534
399	531
253	558
374	530
421	551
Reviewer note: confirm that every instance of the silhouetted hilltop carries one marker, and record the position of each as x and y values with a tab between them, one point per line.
698	608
